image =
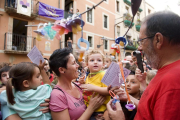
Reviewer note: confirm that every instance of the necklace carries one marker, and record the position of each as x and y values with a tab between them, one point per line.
95	73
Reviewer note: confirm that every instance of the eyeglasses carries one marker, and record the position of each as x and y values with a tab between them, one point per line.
140	41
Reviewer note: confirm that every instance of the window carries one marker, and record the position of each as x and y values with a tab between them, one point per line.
105	44
90	41
105	21
106	1
89	16
138	16
128	37
127	9
117	6
149	11
138	19
118	31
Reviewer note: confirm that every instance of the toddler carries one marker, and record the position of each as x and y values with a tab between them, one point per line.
95	61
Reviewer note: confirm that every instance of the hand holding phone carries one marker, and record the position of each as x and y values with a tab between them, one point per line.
139	60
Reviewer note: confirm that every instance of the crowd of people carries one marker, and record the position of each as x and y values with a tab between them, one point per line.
63	88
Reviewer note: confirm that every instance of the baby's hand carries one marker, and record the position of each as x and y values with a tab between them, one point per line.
81	80
88	87
41	65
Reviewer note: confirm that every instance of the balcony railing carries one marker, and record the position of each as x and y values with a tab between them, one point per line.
138	27
128	23
11	8
19	44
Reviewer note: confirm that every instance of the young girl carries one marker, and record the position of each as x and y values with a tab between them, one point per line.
133	87
95	61
28	93
4	76
108	61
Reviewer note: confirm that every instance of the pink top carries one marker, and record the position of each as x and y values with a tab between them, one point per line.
60	101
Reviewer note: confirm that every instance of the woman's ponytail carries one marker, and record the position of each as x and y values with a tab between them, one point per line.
9	91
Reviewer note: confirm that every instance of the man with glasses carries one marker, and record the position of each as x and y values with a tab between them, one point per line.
160	42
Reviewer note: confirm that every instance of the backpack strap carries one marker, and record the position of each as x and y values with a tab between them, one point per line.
59	89
76	85
62	90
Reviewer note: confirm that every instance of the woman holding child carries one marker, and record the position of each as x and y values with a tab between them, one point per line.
67	101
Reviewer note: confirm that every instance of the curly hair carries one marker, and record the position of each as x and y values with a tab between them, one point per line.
93	52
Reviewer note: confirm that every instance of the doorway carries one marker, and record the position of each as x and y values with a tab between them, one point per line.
19	36
68	6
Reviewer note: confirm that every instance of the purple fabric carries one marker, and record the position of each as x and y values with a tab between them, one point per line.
0	116
22	3
75	22
68	26
50	12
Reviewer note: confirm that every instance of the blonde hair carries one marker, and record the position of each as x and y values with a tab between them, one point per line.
109	57
93	52
150	75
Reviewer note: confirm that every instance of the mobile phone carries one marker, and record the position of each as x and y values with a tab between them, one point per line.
139	60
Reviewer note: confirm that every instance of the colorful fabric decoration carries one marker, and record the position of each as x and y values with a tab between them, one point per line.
61	28
75	23
50	11
40	32
49	32
83	40
115	47
122	42
82	49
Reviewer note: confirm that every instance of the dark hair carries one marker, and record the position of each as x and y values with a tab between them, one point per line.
165	22
46	59
19	73
4	69
58	59
4	64
127	54
127	66
48	63
132	73
132	69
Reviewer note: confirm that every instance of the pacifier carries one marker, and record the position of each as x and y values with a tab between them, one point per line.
130	106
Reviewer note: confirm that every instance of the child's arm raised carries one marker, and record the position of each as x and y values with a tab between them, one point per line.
93	88
43	73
